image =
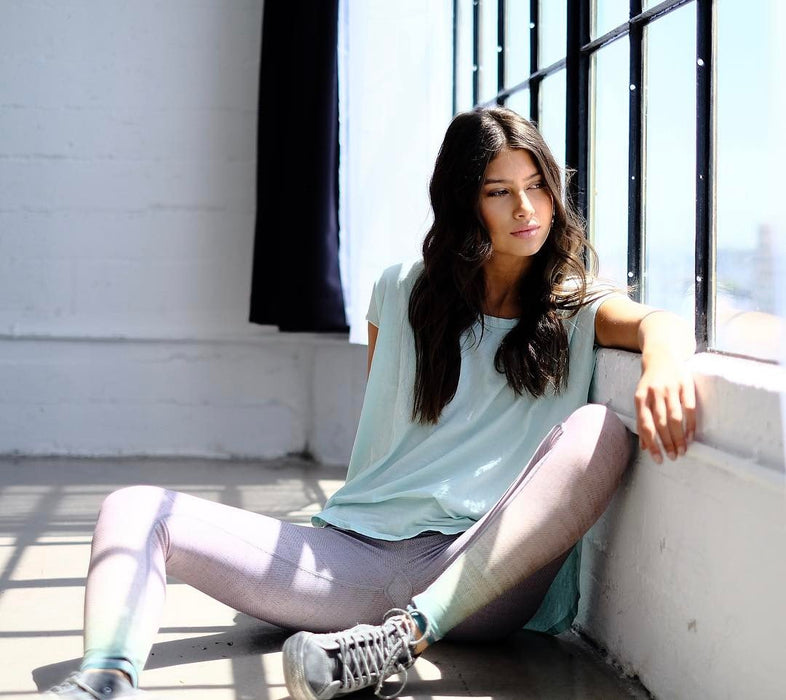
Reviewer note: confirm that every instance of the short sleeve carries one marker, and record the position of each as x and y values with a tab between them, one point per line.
391	291
601	291
373	309
375	304
584	320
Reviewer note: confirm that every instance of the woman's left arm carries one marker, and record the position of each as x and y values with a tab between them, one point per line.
665	396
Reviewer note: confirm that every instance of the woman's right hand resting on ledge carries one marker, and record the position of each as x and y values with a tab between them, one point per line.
665	397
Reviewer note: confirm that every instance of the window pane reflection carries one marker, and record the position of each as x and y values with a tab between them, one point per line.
552	114
488	50
608	14
671	162
519	102
746	280
517	45
552	32
608	182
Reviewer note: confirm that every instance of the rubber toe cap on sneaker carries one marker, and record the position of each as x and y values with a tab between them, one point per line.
308	668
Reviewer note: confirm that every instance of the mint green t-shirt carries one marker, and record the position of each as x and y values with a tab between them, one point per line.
405	478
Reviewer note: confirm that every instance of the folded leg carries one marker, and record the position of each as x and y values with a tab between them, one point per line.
497	572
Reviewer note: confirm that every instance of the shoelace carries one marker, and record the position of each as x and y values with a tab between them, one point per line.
375	653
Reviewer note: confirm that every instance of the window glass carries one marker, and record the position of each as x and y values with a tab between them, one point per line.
670	211
464	64
552	32
519	102
746	250
552	114
517	44
608	14
608	177
488	50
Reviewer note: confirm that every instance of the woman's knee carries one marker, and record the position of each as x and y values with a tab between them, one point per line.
135	499
600	430
598	421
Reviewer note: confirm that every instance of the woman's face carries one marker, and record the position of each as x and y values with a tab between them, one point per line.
515	207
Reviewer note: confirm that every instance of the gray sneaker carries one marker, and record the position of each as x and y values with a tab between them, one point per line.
323	666
94	686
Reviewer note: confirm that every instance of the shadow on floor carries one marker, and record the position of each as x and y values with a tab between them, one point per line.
206	651
248	638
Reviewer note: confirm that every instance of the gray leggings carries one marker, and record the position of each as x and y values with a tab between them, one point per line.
483	583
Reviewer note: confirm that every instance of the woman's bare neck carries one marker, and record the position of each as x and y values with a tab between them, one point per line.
502	288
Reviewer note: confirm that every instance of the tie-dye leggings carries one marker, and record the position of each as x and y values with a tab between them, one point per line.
483	583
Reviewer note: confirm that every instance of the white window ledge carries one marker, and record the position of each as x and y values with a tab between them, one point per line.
739	408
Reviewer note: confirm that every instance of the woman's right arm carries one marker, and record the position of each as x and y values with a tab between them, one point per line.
372	343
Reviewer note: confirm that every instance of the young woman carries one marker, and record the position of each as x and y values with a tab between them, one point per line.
477	466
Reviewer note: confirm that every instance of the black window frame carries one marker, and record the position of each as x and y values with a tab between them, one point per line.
576	62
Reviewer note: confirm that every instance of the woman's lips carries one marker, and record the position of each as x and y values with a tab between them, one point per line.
526	232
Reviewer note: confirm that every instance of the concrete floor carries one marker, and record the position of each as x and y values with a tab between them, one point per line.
206	651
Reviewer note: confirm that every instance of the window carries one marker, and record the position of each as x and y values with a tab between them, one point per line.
666	111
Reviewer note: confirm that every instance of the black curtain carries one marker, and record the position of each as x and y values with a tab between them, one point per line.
296	283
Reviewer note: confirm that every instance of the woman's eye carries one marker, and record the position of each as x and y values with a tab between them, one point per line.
536	186
497	193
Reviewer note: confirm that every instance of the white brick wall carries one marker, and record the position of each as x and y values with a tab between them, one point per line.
127	205
127	166
256	397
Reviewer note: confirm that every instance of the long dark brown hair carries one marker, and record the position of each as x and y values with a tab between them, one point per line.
448	296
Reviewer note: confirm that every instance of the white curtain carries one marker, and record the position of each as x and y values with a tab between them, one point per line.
395	100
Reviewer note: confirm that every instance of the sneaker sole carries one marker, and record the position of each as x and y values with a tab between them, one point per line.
294	676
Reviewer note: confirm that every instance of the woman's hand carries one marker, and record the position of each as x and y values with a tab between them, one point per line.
665	397
665	401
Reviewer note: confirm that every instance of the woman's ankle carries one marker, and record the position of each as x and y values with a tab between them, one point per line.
421	645
419	627
98	661
114	671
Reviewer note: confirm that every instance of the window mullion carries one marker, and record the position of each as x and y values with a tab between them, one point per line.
534	85
636	156
704	170
455	55
500	51
577	101
475	51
